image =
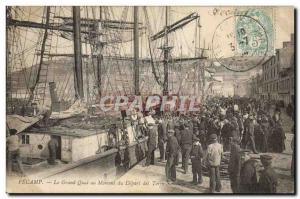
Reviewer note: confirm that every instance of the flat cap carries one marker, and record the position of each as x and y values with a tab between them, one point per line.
213	137
266	157
171	131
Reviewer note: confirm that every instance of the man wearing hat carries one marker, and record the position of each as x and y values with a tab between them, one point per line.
171	154
52	147
186	145
248	174
249	136
268	180
239	118
196	156
162	138
13	151
151	144
177	134
245	133
226	134
234	167
33	110
214	155
202	131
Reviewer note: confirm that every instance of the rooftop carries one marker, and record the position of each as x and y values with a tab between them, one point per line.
78	126
66	131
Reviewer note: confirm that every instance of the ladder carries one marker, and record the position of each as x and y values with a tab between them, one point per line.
45	59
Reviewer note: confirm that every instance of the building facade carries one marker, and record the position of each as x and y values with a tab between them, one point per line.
276	83
255	88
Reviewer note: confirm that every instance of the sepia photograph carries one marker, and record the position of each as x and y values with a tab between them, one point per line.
150	99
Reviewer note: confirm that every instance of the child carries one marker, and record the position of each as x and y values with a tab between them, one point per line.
196	155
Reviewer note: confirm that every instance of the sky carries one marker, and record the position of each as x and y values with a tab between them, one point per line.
182	41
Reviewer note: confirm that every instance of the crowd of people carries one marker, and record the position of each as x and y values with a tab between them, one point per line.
243	127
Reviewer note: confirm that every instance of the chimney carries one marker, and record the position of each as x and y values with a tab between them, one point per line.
292	39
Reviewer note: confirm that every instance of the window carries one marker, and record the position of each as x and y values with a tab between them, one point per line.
25	139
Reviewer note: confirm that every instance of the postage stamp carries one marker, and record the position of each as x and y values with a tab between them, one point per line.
249	38
259	18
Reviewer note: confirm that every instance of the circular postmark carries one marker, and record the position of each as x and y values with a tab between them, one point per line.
240	43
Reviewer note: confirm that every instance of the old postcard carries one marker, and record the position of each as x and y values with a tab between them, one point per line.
170	99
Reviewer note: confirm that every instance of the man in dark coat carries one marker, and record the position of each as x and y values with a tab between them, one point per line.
278	136
249	137
52	146
202	131
266	133
213	127
186	145
233	121
225	135
258	136
239	120
248	176
178	137
244	137
196	156
234	167
162	138
268	180
171	154
151	144
196	124
177	130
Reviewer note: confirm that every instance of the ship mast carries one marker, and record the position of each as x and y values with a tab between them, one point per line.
136	50
166	50
99	47
78	78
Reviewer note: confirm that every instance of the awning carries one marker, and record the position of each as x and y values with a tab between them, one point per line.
20	123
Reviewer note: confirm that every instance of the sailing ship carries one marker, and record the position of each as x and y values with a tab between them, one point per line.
96	66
